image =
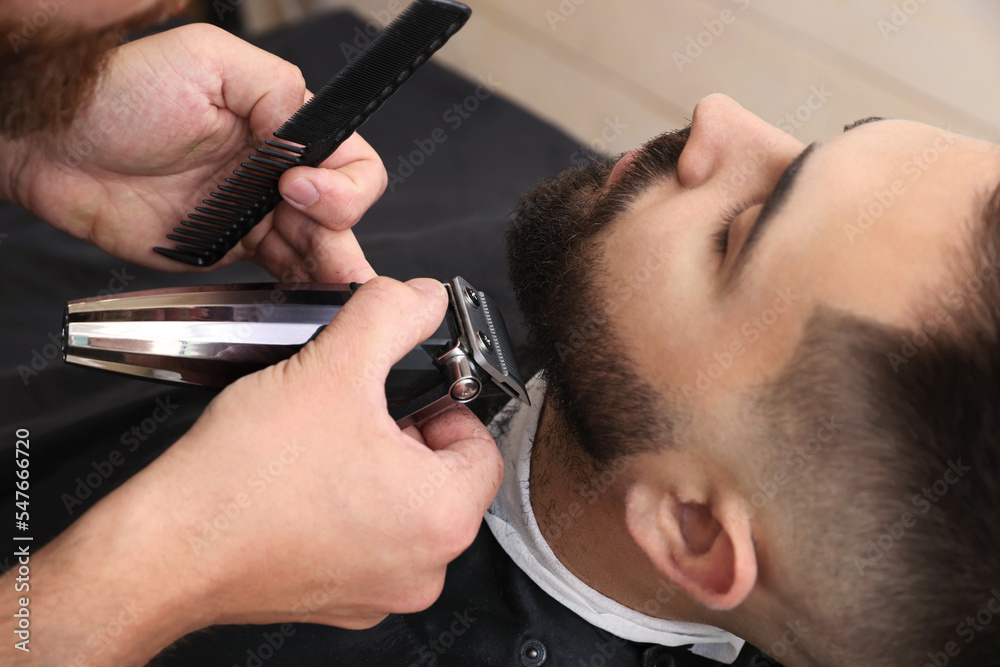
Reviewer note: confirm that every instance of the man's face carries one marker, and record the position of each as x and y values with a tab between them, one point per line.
869	223
872	230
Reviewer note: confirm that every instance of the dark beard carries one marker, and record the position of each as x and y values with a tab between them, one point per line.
48	74
576	204
554	257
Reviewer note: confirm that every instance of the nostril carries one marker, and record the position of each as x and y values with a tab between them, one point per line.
713	122
697	161
730	141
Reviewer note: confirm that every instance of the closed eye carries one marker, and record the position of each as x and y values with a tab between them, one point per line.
720	238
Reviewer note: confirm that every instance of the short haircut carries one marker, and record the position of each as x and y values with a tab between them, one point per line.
904	503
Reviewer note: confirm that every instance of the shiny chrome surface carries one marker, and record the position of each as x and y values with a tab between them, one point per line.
212	335
465	384
207	335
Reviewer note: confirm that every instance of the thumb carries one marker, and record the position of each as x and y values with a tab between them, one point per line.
377	326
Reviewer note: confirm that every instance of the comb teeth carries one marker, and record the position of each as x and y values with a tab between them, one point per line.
316	130
229	214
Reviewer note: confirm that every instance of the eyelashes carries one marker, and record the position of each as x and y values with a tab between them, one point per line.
720	239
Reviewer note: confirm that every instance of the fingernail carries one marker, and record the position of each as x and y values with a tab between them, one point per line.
429	285
301	192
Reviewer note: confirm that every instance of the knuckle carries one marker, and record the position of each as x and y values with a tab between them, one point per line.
451	534
462	538
383	289
295	77
361	622
205	31
383	181
471	529
422	595
352	205
497	468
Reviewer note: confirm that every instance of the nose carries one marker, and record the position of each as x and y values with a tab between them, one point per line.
734	150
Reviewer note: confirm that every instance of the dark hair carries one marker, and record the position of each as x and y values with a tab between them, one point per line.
906	497
553	249
917	410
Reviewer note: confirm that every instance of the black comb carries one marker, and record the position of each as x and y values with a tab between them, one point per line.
315	131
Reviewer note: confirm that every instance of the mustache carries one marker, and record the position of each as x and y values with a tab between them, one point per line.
656	160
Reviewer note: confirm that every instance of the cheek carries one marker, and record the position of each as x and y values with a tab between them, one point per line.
693	343
662	297
648	277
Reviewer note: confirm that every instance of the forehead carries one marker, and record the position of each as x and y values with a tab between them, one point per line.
879	220
872	228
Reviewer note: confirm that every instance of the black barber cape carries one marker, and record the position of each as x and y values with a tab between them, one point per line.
90	431
489	614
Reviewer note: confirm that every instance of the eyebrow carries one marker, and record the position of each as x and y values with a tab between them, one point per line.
863	121
776	200
772	205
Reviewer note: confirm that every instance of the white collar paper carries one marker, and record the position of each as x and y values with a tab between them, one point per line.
512	522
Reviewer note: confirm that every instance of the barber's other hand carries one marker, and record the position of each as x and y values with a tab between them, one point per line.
171	118
341	518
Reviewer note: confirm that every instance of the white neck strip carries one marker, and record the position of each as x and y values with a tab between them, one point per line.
512	522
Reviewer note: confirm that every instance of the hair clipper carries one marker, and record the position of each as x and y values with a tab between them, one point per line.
212	335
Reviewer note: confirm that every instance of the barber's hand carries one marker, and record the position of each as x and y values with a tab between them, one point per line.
364	512
294	498
170	120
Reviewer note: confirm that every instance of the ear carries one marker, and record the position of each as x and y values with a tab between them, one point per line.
693	531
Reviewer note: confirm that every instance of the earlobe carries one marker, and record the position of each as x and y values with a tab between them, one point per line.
703	545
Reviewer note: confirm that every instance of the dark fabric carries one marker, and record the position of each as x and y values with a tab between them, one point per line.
490	614
91	431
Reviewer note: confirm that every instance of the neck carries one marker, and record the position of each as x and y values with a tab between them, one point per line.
580	513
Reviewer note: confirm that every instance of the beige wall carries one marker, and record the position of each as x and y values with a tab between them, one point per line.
616	73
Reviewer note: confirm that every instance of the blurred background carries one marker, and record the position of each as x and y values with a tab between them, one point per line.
612	74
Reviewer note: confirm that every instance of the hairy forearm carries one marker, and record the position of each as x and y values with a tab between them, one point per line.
110	589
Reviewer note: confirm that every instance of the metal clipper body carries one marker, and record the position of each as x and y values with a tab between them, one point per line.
212	335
